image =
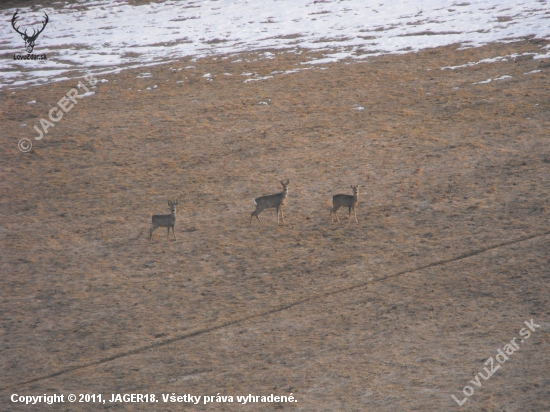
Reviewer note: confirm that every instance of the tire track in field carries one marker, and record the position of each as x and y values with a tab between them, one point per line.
277	309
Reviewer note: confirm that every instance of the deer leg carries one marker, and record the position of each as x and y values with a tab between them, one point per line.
333	212
168	234
259	209
151	233
282	214
349	215
355	214
174	232
256	213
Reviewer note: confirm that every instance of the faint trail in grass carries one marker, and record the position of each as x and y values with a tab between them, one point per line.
277	309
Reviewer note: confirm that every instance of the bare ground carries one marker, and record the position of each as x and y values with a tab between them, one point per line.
395	313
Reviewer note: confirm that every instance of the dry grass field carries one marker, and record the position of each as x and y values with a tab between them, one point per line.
395	313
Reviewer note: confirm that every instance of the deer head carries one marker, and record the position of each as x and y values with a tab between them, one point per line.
29	40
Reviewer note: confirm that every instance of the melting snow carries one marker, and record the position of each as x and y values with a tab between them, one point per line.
107	36
490	80
257	79
491	60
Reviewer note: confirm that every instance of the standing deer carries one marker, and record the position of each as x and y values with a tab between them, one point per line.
168	221
277	201
347	201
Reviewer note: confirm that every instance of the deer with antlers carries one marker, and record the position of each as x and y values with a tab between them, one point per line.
29	40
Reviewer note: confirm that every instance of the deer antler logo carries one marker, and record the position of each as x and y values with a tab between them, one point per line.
29	40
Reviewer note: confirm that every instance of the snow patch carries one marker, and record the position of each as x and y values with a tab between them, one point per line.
108	36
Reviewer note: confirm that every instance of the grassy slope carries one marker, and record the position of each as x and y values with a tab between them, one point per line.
444	171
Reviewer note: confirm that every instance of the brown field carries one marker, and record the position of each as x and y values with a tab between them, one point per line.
395	313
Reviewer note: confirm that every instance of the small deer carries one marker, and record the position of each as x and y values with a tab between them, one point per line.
347	201
168	221
277	201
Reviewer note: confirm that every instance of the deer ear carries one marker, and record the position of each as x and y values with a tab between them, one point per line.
288	181
176	203
169	203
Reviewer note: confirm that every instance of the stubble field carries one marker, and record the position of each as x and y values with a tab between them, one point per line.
397	312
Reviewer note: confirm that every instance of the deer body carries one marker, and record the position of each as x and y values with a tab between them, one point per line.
168	221
348	201
277	201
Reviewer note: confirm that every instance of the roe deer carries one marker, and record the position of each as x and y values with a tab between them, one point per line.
347	201
165	220
277	201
